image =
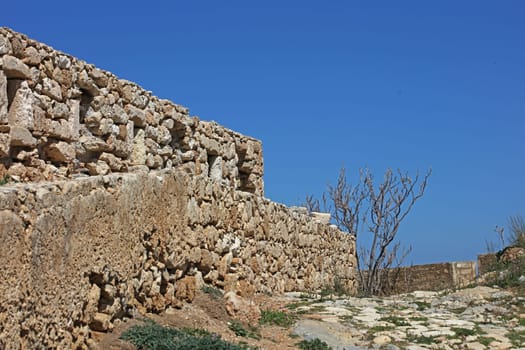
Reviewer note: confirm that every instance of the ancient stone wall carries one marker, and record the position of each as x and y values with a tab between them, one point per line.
78	255
118	203
433	277
61	117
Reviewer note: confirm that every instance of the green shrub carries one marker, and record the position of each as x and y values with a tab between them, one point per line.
314	344
4	180
241	331
277	318
152	336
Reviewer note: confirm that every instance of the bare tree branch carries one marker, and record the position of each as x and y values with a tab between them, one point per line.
381	209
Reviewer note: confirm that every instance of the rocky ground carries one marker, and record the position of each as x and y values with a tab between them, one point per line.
473	318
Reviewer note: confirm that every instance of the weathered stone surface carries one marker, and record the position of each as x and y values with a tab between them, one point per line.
138	155
21	137
32	56
5	45
52	89
61	152
15	68
323	218
3	98
115	164
98	168
136	115
186	288
512	254
21	110
5	142
87	84
241	308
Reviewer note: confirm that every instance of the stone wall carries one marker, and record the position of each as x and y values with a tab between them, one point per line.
486	262
433	277
118	203
61	117
78	255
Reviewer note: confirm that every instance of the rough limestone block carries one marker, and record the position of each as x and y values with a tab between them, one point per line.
5	141
21	110
5	45
52	89
216	169
15	68
3	98
114	163
138	155
61	152
22	137
136	115
74	119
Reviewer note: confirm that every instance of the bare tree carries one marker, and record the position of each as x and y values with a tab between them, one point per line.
377	210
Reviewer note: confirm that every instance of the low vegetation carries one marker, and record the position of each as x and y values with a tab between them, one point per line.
4	180
314	344
241	330
152	336
509	273
215	293
277	318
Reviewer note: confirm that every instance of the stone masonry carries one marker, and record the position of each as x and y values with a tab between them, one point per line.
118	204
61	117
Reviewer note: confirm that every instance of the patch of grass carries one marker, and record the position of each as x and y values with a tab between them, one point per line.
522	322
463	332
485	340
422	305
152	336
241	331
418	318
376	329
398	321
296	305
421	339
315	344
277	318
517	338
4	180
382	310
215	293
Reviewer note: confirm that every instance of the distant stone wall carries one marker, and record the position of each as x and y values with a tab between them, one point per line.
61	117
433	277
486	262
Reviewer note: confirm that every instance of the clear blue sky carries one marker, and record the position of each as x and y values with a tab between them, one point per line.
402	84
